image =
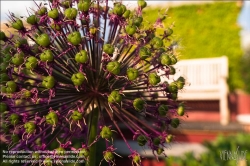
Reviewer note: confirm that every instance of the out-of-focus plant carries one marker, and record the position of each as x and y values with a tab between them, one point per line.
81	68
226	151
245	70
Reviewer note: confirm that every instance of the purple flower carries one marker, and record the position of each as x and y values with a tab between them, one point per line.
90	69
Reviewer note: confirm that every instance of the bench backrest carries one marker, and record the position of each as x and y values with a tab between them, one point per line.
204	73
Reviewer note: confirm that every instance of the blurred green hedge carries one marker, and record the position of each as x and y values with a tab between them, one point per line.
206	30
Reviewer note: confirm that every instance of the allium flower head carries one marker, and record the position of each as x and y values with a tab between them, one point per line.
79	70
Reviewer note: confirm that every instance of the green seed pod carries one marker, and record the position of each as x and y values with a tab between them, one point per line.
38	141
26	94
18	59
84	152
137	159
56	27
114	67
156	42
35	156
132	73
42	11
165	59
43	40
142	4
137	21
51	118
139	104
48	82
47	56
108	49
108	156
114	97
48	162
82	56
60	151
169	138
76	115
175	122
53	13
18	24
160	151
153	78
130	29
119	9
66	3
3	107
162	110
168	32
74	38
141	140
31	63
173	87
174	95
3	67
30	127
78	79
171	70
21	42
106	132
6	58
15	138
156	141
126	14
83	6
33	20
2	36
70	13
4	78
144	53
180	82
181	109
173	59
3	89
14	119
11	87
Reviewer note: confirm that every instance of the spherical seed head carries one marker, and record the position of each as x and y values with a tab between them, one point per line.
96	66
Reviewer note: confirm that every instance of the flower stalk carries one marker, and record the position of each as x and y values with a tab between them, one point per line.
93	132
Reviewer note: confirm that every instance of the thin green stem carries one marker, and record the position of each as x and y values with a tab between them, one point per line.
93	126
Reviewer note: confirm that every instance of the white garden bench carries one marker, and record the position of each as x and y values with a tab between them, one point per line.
207	79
